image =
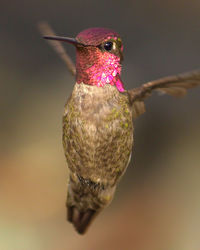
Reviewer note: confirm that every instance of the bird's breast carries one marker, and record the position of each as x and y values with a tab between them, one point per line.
97	133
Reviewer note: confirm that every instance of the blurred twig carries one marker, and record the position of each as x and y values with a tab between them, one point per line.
46	30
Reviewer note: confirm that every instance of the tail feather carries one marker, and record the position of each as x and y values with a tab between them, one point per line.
80	220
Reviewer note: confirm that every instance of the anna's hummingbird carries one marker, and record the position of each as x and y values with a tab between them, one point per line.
97	121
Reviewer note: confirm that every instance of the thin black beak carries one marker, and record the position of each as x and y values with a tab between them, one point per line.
63	39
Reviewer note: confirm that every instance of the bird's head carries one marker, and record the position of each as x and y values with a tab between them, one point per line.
99	56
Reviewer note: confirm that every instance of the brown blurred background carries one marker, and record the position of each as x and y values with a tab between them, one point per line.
157	203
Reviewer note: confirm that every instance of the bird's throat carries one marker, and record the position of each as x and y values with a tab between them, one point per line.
95	68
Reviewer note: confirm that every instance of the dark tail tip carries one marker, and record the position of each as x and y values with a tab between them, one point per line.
80	220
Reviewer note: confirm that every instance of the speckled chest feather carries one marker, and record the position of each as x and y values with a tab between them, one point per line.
97	133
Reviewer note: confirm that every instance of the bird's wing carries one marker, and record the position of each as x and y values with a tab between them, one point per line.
173	85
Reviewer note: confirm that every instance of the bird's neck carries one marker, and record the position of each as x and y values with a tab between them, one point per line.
95	68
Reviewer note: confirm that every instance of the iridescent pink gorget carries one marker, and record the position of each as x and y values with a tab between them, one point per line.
93	66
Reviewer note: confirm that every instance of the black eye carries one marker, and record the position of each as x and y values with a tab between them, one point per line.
108	46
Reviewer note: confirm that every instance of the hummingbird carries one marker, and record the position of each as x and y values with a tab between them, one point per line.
98	121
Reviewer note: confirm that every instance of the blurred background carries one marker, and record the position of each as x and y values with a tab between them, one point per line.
157	202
